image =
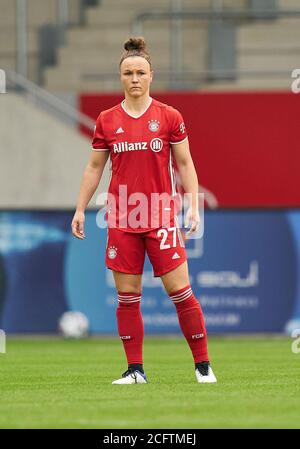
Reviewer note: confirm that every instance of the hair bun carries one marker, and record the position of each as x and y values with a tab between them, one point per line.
135	43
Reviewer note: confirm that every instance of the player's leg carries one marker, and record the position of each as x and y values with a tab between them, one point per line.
127	265
161	247
126	282
130	325
191	319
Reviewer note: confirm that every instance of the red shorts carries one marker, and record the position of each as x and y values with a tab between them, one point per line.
125	251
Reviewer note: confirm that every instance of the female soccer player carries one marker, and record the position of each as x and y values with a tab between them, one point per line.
142	135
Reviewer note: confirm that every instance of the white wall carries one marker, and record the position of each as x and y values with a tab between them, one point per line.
41	159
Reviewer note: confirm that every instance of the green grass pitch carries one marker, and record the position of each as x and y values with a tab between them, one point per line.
56	383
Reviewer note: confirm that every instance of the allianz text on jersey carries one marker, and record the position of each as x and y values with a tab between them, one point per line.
156	145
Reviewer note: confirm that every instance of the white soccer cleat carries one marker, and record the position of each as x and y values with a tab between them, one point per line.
204	374
131	377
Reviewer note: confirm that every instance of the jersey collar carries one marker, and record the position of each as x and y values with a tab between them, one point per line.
138	116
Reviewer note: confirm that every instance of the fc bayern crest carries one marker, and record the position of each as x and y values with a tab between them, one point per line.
153	125
112	252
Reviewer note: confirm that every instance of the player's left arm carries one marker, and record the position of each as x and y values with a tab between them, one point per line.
189	179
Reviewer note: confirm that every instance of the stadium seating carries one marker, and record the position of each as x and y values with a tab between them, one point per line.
265	47
38	14
89	60
91	53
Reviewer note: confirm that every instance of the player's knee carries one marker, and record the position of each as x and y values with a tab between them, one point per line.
175	287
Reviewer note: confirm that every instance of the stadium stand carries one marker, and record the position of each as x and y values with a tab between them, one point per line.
87	61
38	14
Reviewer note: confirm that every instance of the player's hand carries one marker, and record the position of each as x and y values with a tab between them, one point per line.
192	220
78	225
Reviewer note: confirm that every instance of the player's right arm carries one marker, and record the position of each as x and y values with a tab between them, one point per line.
89	183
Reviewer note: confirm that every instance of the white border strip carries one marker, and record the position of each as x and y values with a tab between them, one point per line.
171	171
176	143
138	116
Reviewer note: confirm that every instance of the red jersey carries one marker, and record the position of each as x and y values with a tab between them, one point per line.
141	163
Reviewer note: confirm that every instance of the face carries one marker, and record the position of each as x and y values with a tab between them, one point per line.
136	76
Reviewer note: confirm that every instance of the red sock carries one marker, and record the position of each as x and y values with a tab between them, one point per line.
131	326
191	321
